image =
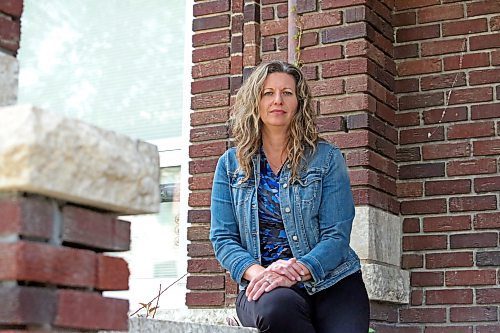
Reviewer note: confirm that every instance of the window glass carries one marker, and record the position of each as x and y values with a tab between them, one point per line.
115	63
154	258
119	64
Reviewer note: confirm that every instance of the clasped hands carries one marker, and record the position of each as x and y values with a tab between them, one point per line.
281	273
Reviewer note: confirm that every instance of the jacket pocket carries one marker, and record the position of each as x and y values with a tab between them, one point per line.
308	187
241	190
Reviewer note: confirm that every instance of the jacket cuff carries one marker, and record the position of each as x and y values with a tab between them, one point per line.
240	268
314	267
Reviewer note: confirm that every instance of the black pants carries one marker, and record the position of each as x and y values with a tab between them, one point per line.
342	308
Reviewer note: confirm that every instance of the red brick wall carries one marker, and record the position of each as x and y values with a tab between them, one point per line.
52	267
10	27
381	72
449	161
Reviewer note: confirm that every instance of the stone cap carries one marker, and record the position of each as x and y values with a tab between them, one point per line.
144	325
70	160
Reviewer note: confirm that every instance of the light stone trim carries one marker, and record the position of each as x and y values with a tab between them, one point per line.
9	73
376	235
386	283
143	325
200	316
70	160
376	238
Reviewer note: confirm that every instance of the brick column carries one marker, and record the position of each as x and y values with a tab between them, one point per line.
63	184
227	45
217	28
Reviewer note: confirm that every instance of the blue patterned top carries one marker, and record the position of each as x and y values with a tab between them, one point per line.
273	241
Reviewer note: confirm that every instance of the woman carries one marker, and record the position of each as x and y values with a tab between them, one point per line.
282	212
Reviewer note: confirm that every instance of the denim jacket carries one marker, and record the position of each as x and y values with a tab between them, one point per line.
317	211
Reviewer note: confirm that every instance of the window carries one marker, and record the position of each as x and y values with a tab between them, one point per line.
120	64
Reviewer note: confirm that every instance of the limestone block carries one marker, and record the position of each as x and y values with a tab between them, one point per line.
200	316
143	325
73	161
9	71
386	283
376	235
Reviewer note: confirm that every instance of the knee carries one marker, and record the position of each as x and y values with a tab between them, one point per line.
269	318
279	309
274	310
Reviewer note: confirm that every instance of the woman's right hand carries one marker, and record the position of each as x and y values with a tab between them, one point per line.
290	268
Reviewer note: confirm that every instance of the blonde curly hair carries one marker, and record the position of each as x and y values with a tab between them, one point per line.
246	124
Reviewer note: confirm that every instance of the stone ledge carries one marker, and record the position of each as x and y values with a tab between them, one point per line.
73	161
143	325
215	316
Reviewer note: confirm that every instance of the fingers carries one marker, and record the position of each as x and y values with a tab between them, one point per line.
294	269
258	290
252	286
280	281
288	273
306	274
257	287
265	283
288	268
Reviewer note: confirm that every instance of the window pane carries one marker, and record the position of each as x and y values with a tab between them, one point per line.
115	63
118	64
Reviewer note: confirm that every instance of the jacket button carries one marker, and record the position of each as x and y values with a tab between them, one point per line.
295	238
287	209
313	289
285	185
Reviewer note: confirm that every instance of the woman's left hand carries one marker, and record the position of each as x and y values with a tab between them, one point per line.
265	282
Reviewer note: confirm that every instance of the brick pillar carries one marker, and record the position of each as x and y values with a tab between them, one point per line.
10	25
448	83
10	31
63	184
212	69
226	45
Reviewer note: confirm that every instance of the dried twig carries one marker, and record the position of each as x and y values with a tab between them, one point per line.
157	301
157	298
